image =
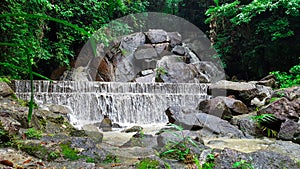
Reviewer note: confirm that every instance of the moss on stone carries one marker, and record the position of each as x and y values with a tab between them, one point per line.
35	150
69	152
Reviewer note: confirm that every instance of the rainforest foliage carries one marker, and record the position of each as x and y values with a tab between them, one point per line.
49	33
252	37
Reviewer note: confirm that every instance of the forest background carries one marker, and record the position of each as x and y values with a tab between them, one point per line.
253	38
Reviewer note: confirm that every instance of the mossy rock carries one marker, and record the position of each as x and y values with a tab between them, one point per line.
35	149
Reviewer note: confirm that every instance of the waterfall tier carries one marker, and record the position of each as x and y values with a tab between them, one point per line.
139	103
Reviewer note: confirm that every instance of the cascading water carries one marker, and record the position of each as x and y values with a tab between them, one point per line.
139	103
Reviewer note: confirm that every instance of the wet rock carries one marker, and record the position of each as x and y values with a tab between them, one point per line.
93	132
87	148
106	124
133	129
241	90
209	125
141	140
176	136
116	125
5	90
157	36
180	140
61	109
261	159
223	107
288	130
286	148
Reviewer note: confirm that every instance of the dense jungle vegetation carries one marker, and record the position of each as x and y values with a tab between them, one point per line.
252	37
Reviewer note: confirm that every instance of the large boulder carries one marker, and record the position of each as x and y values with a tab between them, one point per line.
283	109
176	70
261	159
241	90
175	138
175	38
246	124
209	125
106	124
223	107
286	148
157	36
289	130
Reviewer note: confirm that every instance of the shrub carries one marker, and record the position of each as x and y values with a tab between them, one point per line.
292	78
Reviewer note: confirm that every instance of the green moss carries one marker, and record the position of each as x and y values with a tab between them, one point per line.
90	160
110	158
69	152
53	156
32	133
77	133
38	151
148	163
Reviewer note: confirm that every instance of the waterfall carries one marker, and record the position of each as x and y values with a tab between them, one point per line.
139	103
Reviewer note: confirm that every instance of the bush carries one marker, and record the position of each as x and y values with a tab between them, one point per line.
292	78
48	43
254	38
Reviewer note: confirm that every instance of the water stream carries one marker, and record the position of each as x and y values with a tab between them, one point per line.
138	103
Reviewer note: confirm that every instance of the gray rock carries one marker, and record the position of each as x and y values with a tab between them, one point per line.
290	93
241	90
157	36
223	107
193	58
209	126
133	129
248	126
177	71
179	50
131	42
146	79
87	147
141	140
175	38
190	139
208	68
288	130
106	124
61	109
283	109
116	125
286	148
261	159
145	52
93	132
5	90
161	47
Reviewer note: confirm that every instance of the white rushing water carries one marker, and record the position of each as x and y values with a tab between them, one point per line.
138	103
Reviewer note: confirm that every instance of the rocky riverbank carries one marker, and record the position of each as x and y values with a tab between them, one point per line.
218	133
